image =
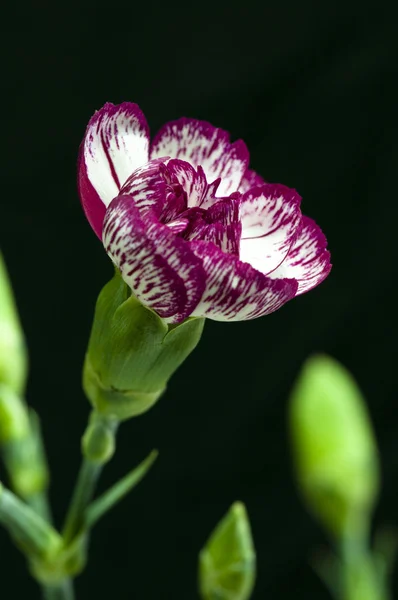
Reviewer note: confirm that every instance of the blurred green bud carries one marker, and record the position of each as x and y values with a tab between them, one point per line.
14	418
334	449
25	458
98	443
13	354
132	352
227	564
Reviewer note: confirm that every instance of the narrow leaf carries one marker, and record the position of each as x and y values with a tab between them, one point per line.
33	535
111	497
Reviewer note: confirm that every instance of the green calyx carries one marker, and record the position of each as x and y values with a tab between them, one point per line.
132	352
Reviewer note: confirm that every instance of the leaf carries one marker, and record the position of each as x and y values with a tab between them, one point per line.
111	497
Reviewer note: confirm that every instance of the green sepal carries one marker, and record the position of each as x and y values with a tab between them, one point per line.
132	352
334	448
227	563
111	497
30	532
13	352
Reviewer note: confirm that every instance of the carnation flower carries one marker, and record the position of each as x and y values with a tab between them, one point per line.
193	231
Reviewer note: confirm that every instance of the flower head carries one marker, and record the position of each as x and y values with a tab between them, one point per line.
193	231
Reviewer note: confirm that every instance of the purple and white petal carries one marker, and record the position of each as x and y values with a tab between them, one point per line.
154	186
234	290
250	180
202	144
147	185
308	261
192	181
116	143
159	267
220	225
271	218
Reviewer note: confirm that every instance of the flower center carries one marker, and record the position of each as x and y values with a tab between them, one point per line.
194	212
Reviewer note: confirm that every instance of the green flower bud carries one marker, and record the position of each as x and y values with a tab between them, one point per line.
98	443
227	564
22	448
14	417
13	354
334	448
132	352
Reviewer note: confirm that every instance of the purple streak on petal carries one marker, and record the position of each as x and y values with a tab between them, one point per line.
192	181
178	226
308	261
159	267
148	185
116	142
234	290
220	225
211	194
250	180
202	144
271	220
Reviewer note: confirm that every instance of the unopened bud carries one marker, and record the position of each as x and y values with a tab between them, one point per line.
227	564
334	449
13	354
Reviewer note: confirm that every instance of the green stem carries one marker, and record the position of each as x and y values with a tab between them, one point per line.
361	579
98	445
83	493
61	591
39	503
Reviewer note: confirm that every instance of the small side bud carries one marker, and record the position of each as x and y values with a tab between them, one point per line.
13	354
14	418
334	449
23	452
132	352
98	443
227	563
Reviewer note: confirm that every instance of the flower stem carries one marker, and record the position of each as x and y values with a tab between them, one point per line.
39	503
83	493
361	578
98	444
61	591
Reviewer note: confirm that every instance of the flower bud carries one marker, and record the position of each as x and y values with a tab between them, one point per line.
227	564
132	352
13	354
334	448
14	418
98	443
21	445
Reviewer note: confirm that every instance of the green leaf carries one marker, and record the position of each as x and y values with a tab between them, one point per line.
227	563
111	497
32	534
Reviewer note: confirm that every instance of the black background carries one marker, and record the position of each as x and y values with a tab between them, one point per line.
311	88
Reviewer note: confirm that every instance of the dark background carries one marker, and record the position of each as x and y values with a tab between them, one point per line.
311	88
